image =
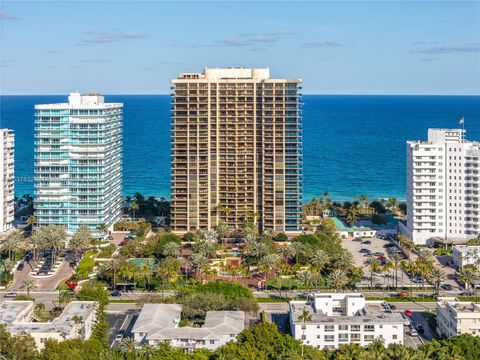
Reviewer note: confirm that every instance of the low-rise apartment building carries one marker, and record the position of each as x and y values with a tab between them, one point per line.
334	319
159	323
76	321
466	255
457	317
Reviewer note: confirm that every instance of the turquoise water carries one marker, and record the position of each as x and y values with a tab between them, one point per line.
352	144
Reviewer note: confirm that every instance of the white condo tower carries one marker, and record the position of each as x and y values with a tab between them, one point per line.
7	208
443	187
78	163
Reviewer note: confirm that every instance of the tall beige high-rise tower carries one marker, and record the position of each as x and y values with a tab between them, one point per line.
236	150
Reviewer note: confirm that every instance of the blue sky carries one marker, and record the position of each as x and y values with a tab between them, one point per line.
135	47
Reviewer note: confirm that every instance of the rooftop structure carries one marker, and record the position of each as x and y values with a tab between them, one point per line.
159	323
443	187
236	150
76	321
343	318
78	163
7	176
466	255
456	317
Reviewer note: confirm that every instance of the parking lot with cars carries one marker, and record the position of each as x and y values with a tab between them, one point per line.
381	249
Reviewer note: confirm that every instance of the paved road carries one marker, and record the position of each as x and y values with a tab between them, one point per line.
46	284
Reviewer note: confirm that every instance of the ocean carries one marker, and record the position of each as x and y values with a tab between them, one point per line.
352	145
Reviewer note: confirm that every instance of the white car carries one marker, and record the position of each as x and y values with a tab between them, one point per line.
119	337
411	331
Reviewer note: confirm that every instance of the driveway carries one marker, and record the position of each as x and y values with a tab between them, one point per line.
43	284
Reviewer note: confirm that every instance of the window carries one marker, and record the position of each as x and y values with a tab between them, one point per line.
369	328
355	328
368	338
212	342
394	337
342	327
304	337
329	338
329	328
343	337
354	337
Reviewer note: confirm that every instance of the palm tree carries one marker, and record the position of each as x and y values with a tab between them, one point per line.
146	271
297	249
171	249
207	249
386	269
306	316
12	243
113	266
148	350
351	217
28	284
337	279
319	260
424	265
267	264
373	266
31	222
64	297
56	238
127	346
223	231
396	258
469	276
343	261
436	276
133	208
198	261
305	278
363	200
39	309
168	271
81	239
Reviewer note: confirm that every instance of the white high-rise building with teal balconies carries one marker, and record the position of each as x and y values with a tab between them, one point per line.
78	163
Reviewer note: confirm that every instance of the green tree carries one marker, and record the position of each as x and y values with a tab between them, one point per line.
304	318
29	284
171	249
337	279
81	239
134	208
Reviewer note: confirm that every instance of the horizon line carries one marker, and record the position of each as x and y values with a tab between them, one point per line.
308	94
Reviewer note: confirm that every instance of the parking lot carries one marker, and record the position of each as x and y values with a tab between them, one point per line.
373	245
121	318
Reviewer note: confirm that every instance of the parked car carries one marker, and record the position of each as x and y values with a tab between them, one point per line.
420	329
378	253
366	242
447	287
417	279
377	274
21	266
392	306
123	242
404	294
411	331
365	251
119	337
408	313
357	239
116	293
10	295
406	320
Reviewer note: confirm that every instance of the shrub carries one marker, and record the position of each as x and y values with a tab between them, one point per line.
189	236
